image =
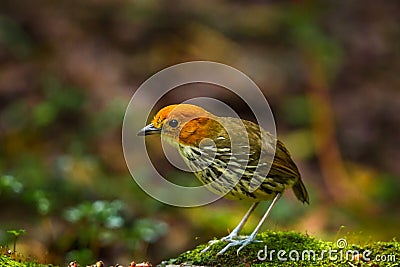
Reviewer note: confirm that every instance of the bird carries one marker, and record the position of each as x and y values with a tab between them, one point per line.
235	158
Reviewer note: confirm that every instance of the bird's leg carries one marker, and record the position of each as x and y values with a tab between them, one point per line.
251	237
234	234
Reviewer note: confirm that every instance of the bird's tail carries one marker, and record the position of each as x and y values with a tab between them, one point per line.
300	191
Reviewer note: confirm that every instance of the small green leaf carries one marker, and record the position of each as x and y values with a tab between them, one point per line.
17	233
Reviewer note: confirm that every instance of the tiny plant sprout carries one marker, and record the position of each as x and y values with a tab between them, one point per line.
16	234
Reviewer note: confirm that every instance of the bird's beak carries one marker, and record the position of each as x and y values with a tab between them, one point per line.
149	129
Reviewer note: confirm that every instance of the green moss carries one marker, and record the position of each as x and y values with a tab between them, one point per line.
302	244
9	260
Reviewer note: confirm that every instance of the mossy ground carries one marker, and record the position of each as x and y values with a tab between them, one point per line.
13	259
291	241
272	241
8	261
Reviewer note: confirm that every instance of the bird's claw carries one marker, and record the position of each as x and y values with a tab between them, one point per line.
210	243
232	241
244	243
231	244
229	238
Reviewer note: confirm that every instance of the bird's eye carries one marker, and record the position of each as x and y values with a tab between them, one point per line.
173	123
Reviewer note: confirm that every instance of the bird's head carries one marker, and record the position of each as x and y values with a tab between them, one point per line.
183	123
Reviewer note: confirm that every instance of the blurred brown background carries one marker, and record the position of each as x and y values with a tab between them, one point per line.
330	70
